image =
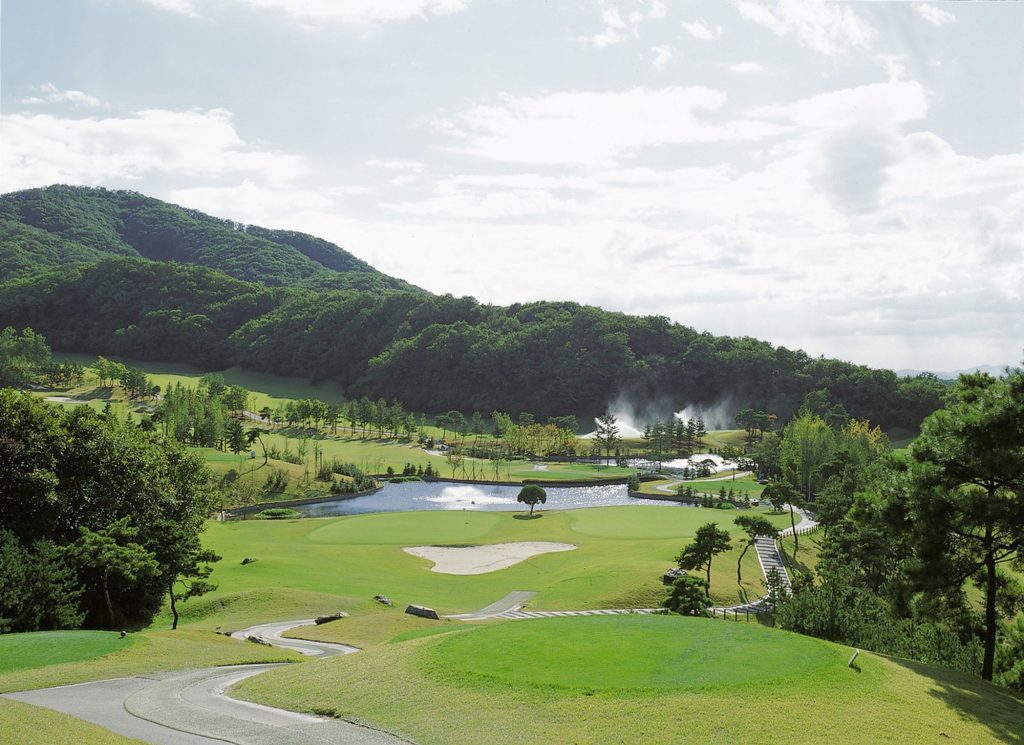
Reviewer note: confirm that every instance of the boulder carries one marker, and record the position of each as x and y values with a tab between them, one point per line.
672	575
332	617
422	612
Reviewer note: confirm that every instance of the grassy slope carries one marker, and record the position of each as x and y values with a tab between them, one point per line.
689	681
23	651
148	652
622	553
24	724
267	390
741	485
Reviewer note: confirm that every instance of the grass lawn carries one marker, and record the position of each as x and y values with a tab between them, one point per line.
807	556
621	555
742	485
267	390
374	626
21	651
147	652
642	679
24	724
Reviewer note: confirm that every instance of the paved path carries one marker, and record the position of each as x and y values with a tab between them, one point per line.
192	708
273	633
564	613
508	604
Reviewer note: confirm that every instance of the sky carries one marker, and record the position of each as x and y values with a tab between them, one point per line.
841	177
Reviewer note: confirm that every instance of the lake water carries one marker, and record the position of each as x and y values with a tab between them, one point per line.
421	495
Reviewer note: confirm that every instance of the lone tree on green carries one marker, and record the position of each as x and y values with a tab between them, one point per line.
532	495
707	543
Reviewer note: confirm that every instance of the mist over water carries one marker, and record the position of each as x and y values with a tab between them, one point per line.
632	417
716	416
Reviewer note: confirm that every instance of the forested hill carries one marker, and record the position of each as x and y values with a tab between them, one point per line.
64	225
79	279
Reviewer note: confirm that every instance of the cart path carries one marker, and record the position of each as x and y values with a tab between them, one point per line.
192	708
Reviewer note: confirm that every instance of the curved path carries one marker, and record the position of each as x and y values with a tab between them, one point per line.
192	707
273	633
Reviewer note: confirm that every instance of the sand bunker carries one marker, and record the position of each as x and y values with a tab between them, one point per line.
483	559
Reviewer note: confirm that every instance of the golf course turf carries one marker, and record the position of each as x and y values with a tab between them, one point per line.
641	679
621	555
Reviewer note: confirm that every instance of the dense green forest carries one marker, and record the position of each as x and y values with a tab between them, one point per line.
118	273
59	225
917	540
100	519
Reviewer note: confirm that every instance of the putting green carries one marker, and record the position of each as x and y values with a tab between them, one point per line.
652	653
646	522
407	528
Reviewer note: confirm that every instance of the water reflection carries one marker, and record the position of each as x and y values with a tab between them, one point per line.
440	496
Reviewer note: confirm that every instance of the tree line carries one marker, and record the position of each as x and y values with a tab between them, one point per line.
910	538
100	519
434	353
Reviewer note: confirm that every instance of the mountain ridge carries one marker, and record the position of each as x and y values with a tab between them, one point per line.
87	223
80	279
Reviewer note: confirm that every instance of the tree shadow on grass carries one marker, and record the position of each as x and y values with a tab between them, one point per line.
101	393
538	516
991	706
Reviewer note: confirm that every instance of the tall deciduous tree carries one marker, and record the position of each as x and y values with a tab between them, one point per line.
807	444
966	473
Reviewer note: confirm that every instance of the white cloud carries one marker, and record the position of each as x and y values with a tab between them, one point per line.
485	204
825	27
854	168
39	149
49	93
397	165
662	55
252	203
618	28
701	30
588	127
343	11
184	7
934	14
745	68
615	29
929	168
875	104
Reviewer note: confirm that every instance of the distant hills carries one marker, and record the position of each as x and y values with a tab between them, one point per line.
994	370
119	273
66	225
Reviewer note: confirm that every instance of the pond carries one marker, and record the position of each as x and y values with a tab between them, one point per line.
421	495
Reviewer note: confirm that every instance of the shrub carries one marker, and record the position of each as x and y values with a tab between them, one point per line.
278	513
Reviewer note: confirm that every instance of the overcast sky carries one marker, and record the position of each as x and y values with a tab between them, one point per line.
844	177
